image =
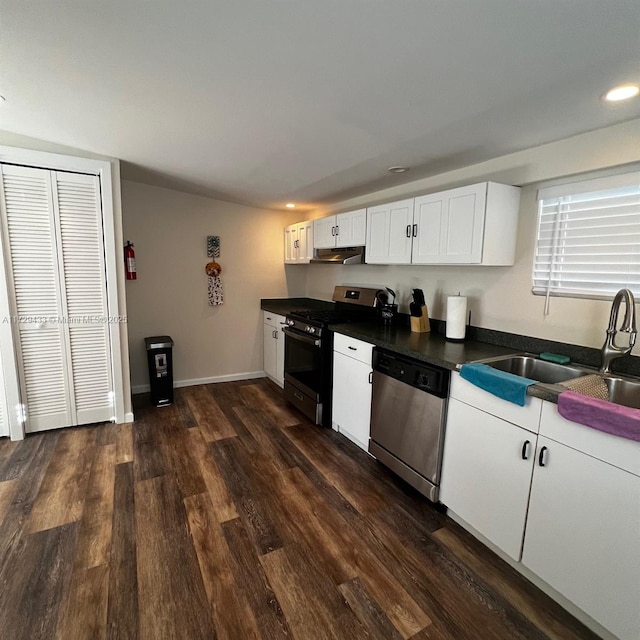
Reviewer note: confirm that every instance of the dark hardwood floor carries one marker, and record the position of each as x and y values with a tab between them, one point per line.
228	515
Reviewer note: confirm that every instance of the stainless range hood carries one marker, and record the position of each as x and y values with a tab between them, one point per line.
346	255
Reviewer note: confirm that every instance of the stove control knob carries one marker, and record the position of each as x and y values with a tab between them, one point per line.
290	322
311	329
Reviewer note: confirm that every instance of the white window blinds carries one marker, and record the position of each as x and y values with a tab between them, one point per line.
588	242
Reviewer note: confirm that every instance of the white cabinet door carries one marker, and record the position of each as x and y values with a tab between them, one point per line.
351	412
450	226
583	535
486	474
4	414
324	233
389	229
290	244
274	346
351	228
305	242
270	364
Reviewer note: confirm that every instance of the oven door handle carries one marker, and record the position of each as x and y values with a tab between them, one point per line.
301	336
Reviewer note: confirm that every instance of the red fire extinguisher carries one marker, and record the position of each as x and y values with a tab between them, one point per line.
130	261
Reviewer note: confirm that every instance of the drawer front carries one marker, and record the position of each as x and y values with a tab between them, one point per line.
620	452
273	319
527	417
353	348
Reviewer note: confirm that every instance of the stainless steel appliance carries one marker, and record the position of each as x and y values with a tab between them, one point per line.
308	349
407	419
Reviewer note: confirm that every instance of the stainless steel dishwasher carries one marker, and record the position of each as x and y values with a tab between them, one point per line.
408	413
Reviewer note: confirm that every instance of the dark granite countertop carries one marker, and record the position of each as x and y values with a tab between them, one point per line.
431	347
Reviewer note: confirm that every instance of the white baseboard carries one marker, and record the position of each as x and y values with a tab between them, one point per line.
249	375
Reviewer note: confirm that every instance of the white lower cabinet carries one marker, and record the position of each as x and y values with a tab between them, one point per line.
486	474
583	535
274	347
351	412
576	489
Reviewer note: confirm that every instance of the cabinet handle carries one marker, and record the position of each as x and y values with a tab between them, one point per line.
415	230
299	396
353	348
275	334
541	457
333	231
370	377
525	450
337	230
408	231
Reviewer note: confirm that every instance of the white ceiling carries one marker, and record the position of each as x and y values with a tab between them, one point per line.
268	101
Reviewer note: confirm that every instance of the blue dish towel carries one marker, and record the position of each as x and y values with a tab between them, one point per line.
500	383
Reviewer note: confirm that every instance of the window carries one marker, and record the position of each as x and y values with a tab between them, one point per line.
588	242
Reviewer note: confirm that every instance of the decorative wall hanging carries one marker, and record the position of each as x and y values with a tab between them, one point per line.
213	271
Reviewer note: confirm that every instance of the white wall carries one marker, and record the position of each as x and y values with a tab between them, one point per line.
169	230
500	297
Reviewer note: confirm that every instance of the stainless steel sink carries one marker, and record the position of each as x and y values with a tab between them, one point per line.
541	370
623	391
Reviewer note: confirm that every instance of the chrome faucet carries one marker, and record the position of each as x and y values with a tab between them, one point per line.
610	351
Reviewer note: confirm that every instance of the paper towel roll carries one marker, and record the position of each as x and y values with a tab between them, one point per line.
456	317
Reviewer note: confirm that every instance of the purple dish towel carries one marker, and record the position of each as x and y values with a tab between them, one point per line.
600	414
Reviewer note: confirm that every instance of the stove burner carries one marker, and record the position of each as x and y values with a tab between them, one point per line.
327	316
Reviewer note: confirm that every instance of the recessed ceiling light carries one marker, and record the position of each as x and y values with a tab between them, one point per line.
622	92
290	205
397	169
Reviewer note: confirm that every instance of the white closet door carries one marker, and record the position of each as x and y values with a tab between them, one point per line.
4	417
77	200
29	230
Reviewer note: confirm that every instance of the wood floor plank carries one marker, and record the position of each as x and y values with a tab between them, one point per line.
124	443
342	472
313	606
171	595
280	413
252	581
122	606
223	505
148	453
248	493
182	406
208	416
7	490
30	601
18	458
61	496
333	537
83	613
94	542
368	611
233	618
520	593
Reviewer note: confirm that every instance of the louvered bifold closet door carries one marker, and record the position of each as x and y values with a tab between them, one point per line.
32	271
77	200
4	417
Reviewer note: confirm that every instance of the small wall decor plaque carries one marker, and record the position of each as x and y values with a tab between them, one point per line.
213	271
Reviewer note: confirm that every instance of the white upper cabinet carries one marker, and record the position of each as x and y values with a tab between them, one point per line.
449	226
298	243
347	229
389	230
476	224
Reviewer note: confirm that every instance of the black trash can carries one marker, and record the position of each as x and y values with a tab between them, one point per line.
160	361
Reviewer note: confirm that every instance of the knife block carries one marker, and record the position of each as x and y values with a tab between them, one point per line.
421	324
